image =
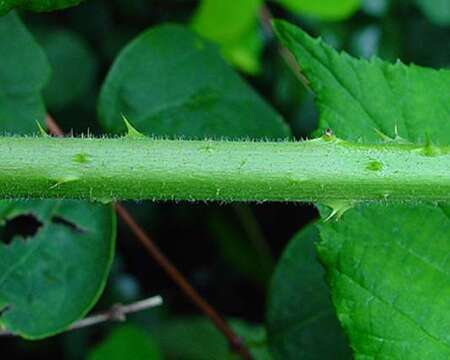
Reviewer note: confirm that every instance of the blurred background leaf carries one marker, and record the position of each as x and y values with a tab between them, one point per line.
438	11
74	67
127	342
241	243
323	9
188	90
195	338
36	5
301	320
24	71
234	28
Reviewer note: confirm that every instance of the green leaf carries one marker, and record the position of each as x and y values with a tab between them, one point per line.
391	280
53	278
168	81
234	28
24	71
357	97
245	53
438	11
212	16
241	244
190	338
386	265
255	338
69	56
36	5
196	338
330	10
301	321
127	342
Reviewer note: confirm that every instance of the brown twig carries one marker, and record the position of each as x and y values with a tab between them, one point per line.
235	342
117	312
265	17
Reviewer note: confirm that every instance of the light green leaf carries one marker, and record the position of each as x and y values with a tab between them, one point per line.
391	280
127	342
24	71
357	97
330	10
386	265
169	81
438	11
245	53
234	28
301	320
69	56
53	278
36	5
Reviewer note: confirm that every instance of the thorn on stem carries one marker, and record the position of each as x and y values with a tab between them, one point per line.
42	131
339	208
131	131
328	135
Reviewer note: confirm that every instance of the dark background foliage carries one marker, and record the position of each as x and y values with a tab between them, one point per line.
213	245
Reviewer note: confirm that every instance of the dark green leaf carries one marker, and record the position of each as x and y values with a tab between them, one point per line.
301	320
438	11
127	342
195	338
51	279
241	244
74	67
36	5
24	71
168	81
386	265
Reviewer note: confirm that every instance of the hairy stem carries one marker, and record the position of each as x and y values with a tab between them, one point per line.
139	168
235	342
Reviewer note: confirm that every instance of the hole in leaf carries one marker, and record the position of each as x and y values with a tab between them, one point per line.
72	226
25	226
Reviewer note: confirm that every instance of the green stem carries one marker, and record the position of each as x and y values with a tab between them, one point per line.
324	169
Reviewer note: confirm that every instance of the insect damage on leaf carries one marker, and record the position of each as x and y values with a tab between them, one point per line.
24	226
